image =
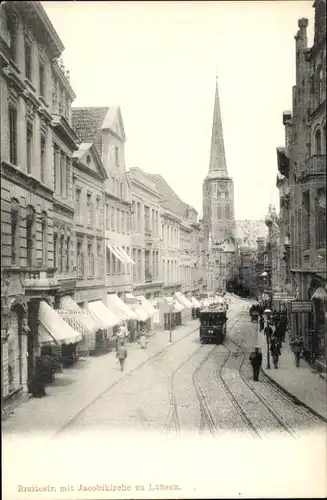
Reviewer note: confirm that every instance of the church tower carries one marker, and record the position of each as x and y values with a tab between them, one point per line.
218	204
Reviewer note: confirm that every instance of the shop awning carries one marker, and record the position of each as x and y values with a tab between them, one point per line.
78	315
116	254
141	312
52	328
116	304
320	294
146	304
195	302
102	314
183	300
174	305
134	303
123	254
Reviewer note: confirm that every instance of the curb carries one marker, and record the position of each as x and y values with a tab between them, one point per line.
294	398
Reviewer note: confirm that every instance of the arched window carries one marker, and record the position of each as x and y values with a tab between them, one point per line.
219	212
88	160
318	142
14	231
227	212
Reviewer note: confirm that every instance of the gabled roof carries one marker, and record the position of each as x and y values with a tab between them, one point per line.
170	199
87	124
88	147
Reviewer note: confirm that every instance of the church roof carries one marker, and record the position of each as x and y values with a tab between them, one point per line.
217	166
248	231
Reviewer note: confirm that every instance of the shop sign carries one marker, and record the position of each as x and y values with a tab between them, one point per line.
283	296
70	312
301	306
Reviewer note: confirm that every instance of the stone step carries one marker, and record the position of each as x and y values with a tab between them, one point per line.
323	376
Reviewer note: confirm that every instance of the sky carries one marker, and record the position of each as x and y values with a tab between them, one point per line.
158	61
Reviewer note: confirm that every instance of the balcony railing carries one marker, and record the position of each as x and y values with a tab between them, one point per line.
315	165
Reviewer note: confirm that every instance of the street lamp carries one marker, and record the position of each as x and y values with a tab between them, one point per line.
267	315
171	307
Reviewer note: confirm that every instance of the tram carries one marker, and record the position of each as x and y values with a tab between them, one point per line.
213	323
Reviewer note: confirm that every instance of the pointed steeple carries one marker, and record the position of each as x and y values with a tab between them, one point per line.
217	167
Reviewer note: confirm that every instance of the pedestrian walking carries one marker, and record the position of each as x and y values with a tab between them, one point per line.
143	340
275	351
121	353
279	334
262	323
297	346
256	361
268	331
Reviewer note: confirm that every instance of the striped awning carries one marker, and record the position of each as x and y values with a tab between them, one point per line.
135	304
120	254
183	300
173	305
103	315
146	304
80	319
53	329
119	307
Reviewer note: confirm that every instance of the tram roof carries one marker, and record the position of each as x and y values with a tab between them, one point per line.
214	309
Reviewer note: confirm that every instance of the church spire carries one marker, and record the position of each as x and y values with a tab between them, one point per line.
217	166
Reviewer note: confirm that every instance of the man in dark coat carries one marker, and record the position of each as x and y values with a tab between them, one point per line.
275	350
268	331
262	323
256	362
279	334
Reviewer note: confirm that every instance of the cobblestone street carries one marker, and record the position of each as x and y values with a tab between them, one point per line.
200	388
167	388
184	388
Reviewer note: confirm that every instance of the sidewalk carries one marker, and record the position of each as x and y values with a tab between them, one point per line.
302	383
80	384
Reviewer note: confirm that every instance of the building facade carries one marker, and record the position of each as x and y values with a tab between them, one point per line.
218	208
104	128
146	235
36	182
303	163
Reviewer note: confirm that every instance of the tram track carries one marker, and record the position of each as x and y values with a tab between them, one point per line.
71	422
261	398
232	398
206	415
173	418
